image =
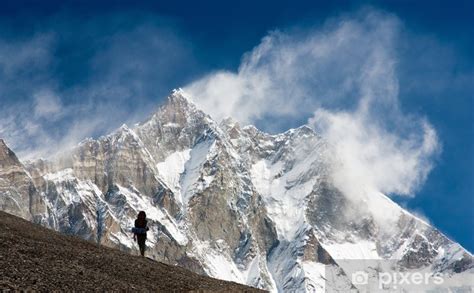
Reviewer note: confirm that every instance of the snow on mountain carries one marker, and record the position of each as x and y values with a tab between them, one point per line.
231	202
172	168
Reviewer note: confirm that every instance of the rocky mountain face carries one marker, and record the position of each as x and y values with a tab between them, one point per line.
18	193
230	202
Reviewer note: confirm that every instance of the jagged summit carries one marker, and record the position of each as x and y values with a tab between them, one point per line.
16	186
124	127
305	129
5	152
7	155
179	94
230	122
175	111
178	98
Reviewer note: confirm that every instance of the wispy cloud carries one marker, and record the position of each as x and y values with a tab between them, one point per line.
47	105
342	78
69	81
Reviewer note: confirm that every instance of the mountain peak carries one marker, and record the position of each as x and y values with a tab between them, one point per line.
7	155
229	123
178	91
179	97
178	102
175	111
305	130
124	128
3	145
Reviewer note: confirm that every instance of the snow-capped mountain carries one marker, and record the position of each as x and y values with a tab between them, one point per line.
231	202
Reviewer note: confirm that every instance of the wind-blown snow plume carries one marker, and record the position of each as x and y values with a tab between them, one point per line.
343	80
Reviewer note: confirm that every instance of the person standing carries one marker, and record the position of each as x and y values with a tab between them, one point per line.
139	232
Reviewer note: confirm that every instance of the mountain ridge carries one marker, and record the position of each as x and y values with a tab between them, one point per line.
232	202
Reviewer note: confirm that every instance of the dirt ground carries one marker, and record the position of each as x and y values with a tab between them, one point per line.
34	258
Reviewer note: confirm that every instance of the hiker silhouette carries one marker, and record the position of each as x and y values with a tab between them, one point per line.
139	232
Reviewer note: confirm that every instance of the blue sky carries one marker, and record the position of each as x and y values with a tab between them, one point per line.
74	69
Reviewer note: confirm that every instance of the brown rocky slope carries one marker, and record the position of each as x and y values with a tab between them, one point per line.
34	258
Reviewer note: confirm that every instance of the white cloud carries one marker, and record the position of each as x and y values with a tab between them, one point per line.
342	78
18	58
121	81
47	104
301	69
375	158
